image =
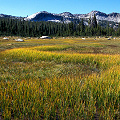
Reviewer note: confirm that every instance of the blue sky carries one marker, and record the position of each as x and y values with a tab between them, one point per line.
28	7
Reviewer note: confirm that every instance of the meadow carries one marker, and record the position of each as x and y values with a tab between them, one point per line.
60	78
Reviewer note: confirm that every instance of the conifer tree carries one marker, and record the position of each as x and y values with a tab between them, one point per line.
94	21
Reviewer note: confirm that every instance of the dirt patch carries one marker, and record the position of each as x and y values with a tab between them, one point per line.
113	46
97	50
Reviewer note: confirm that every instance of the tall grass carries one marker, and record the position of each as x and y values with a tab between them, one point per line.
82	98
94	96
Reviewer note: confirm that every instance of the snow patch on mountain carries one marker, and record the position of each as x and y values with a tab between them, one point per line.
55	21
32	16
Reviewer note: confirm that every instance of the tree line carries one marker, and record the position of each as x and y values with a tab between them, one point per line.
19	27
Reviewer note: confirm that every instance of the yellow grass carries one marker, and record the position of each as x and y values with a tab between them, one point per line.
93	96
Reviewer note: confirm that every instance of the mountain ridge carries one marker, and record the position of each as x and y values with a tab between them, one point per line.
67	16
115	17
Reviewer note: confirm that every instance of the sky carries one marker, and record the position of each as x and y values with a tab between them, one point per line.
25	8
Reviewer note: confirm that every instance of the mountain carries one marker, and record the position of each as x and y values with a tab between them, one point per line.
115	17
68	17
44	16
10	16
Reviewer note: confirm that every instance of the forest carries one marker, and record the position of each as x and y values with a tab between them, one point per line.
20	27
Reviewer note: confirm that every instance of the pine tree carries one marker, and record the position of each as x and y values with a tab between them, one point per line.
94	22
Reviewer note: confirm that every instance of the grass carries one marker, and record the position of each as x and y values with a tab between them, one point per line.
60	78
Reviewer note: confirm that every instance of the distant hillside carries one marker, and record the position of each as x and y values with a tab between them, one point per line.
10	16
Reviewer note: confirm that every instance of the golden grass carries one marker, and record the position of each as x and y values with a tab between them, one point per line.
81	98
94	96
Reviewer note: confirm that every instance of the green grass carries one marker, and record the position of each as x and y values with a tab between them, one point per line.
60	79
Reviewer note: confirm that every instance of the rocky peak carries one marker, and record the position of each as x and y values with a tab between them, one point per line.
97	13
66	14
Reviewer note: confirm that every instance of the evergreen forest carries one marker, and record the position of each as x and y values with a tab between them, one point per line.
20	27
